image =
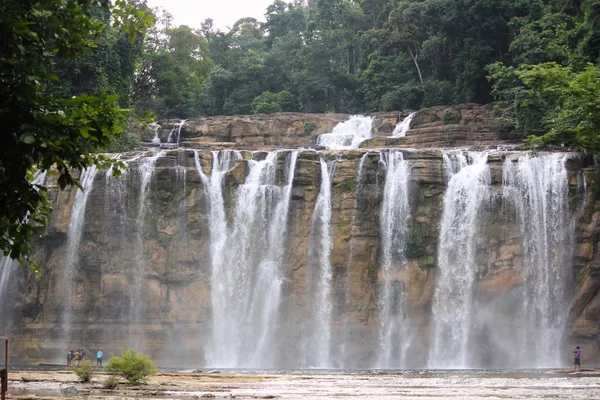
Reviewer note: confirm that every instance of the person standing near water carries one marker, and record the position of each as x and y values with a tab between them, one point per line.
577	359
99	358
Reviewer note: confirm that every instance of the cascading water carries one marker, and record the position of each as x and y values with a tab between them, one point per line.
346	344
74	234
7	272
155	128
246	279
403	126
394	217
348	134
317	351
468	189
175	134
538	188
146	168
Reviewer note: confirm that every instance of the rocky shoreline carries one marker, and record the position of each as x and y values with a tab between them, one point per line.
50	385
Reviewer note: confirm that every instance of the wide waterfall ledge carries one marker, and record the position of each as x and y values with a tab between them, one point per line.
291	259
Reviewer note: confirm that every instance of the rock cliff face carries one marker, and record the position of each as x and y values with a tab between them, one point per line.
144	273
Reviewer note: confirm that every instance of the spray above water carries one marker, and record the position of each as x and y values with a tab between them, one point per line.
349	134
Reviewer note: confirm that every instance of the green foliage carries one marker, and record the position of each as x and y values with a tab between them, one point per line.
309	127
415	246
135	368
111	382
84	371
571	110
450	116
268	102
164	239
47	125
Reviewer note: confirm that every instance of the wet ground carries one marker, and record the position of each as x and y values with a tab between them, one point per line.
421	385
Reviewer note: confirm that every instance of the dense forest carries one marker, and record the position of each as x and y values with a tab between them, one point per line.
537	58
74	74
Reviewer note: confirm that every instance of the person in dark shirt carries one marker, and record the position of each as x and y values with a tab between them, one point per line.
577	358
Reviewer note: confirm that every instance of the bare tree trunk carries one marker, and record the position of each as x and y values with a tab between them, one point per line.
415	58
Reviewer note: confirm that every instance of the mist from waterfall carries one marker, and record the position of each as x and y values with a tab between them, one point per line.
538	188
394	217
317	343
348	134
74	234
246	257
468	188
146	167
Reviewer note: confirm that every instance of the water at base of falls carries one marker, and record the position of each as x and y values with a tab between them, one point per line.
348	134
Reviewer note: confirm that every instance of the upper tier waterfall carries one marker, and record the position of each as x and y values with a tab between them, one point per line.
296	258
348	134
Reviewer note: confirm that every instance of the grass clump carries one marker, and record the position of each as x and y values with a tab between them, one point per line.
111	382
135	368
84	371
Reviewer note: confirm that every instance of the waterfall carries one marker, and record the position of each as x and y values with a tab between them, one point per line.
538	188
348	134
317	346
7	273
468	189
394	217
146	168
246	278
175	134
403	126
74	234
346	343
155	128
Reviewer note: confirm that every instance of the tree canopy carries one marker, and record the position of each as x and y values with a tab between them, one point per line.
364	55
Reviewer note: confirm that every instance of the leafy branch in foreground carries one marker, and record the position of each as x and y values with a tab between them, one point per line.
42	129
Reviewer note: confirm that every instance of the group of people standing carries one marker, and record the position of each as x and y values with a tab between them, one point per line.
75	357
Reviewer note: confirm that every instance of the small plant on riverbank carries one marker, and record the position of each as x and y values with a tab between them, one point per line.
84	371
135	368
111	382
